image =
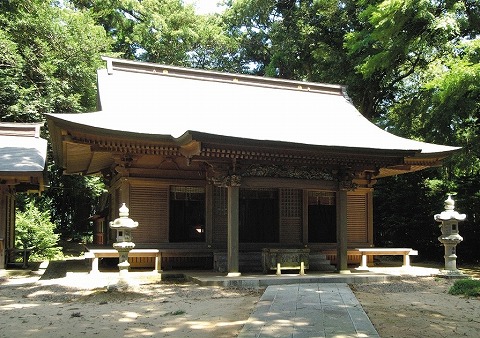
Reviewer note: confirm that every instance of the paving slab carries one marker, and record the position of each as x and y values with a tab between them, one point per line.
301	310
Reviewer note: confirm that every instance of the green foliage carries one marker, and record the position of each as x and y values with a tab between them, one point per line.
466	287
35	231
163	31
70	201
301	40
404	207
48	60
397	40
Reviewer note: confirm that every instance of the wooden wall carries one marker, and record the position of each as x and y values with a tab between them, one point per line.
148	201
7	222
149	207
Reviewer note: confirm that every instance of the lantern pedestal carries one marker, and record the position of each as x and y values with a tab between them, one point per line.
123	249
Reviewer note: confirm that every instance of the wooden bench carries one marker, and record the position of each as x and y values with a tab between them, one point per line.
405	252
285	259
179	259
23	254
95	254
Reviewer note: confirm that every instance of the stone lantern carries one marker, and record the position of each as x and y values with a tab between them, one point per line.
449	219
123	225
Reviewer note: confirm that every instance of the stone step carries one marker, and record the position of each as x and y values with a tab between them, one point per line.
252	262
319	262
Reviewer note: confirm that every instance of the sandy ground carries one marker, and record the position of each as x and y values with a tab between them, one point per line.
78	305
60	304
419	307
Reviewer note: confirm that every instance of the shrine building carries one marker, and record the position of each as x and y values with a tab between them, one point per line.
23	155
216	167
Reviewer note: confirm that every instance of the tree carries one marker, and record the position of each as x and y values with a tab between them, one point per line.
398	39
163	31
72	200
403	212
301	40
35	231
409	65
52	70
48	60
429	68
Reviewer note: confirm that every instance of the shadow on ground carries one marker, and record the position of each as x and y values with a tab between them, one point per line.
59	269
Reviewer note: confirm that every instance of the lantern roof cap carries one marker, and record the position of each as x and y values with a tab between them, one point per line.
449	213
123	222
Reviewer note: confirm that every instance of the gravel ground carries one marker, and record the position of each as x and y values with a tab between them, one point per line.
419	307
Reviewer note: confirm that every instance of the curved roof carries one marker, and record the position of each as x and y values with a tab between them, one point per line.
163	103
171	103
23	153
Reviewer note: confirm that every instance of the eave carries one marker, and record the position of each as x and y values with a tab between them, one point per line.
89	150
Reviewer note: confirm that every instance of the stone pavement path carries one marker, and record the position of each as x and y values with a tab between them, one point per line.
308	310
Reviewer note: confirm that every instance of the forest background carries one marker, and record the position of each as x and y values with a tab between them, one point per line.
410	66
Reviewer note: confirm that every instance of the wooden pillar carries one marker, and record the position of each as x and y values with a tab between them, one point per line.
124	192
342	245
305	218
233	198
3	223
209	215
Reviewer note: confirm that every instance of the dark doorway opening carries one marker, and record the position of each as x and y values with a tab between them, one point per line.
322	217
187	214
259	219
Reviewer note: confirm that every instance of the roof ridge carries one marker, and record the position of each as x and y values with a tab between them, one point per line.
20	129
210	75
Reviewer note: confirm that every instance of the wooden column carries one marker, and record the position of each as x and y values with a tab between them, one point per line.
124	192
305	218
209	214
342	247
233	189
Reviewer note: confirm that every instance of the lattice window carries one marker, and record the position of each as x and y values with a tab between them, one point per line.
220	201
187	193
291	202
258	193
321	198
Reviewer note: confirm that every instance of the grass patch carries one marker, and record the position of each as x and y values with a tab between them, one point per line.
466	287
175	313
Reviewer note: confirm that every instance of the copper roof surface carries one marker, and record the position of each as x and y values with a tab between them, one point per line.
21	151
151	99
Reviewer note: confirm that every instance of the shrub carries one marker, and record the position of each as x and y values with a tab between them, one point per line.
467	287
33	230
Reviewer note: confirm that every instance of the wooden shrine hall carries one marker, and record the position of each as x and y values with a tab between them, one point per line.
220	168
23	155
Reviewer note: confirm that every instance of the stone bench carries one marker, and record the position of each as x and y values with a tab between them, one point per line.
285	259
405	252
95	254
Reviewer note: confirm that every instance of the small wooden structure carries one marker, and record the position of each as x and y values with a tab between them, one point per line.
96	254
405	252
223	165
23	156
